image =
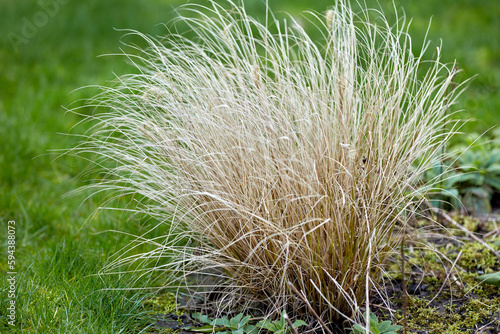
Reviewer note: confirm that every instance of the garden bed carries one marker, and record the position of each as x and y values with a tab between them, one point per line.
444	294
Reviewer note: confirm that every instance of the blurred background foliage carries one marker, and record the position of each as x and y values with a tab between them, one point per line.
49	48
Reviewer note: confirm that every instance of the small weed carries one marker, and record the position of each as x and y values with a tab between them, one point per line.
384	327
280	326
468	178
236	325
493	279
241	325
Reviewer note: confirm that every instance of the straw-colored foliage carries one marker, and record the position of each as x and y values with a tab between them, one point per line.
273	159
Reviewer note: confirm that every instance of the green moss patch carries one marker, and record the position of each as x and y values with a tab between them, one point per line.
440	301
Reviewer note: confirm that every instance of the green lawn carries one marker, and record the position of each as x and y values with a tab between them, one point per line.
59	248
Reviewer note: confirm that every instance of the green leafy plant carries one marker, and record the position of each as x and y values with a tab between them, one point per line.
279	326
440	185
477	176
384	327
238	324
467	178
493	279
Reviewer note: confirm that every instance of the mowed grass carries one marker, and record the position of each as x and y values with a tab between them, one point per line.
59	248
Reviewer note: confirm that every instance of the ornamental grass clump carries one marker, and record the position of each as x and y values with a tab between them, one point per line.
282	166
